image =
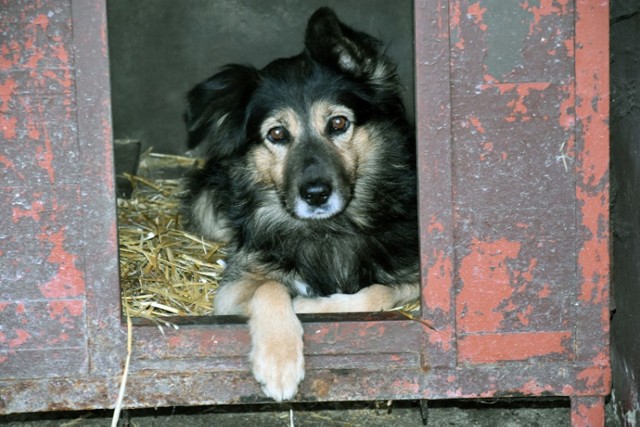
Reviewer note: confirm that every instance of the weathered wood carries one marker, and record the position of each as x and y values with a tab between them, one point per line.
513	158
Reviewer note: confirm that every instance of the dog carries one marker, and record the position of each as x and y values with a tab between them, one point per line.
310	178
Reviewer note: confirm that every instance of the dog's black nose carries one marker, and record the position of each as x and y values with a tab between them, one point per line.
315	193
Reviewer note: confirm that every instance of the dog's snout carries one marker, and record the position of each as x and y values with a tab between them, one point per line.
315	193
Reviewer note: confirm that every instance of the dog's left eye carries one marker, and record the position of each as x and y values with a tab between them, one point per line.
339	124
277	135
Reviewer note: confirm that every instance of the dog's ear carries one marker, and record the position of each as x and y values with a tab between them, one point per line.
331	43
216	107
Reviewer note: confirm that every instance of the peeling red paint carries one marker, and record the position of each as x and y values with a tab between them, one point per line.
523	90
42	21
436	294
8	126
592	190
455	24
533	388
569	45
62	338
68	280
7	123
9	52
66	82
584	415
59	310
37	207
435	226
22	337
567	107
486	284
59	50
523	316
174	341
546	8
593	260
475	122
476	12
592	99
442	338
592	376
404	386
545	292
518	106
493	348
487	148
7	89
20	308
6	162
44	157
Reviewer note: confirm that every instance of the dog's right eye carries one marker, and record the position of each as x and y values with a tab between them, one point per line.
277	135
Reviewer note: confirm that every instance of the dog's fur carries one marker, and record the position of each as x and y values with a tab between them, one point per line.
310	178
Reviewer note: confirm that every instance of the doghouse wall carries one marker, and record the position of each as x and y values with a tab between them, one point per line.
625	158
159	49
513	155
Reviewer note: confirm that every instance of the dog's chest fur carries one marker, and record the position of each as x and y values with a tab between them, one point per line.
328	264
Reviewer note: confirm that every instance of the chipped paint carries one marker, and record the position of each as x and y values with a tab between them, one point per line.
68	280
436	294
587	411
443	339
21	337
493	348
592	190
486	284
33	212
546	8
61	310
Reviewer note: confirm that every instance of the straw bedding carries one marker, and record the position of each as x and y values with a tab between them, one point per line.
166	271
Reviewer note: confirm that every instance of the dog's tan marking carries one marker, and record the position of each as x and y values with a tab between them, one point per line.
286	118
366	147
269	158
323	111
362	157
234	297
213	224
269	166
276	338
370	299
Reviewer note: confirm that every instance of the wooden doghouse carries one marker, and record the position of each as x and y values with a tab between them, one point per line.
512	108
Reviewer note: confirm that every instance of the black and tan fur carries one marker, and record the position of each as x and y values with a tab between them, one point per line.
310	178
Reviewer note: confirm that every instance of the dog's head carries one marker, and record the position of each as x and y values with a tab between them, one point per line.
307	126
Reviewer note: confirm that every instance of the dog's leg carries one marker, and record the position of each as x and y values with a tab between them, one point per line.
276	333
276	338
233	297
370	299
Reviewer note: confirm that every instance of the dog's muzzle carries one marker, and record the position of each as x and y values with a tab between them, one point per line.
315	193
318	186
317	200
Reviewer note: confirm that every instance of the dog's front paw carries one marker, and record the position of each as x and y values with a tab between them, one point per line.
278	362
335	303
